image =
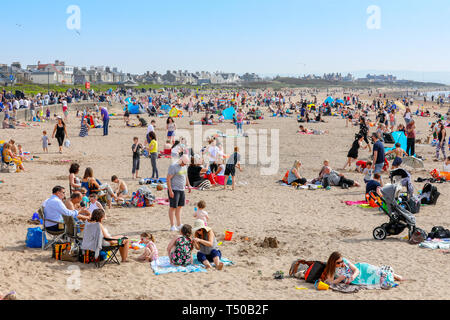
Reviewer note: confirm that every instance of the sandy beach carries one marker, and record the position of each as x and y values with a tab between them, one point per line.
309	224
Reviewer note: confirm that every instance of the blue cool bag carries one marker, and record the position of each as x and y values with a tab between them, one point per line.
34	238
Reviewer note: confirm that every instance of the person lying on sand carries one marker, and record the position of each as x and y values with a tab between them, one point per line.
340	270
335	178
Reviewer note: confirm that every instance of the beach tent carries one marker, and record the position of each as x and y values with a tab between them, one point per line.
228	113
399	137
165	107
174	113
329	100
135	109
340	101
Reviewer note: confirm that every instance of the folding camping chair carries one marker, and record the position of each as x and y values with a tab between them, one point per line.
56	235
93	243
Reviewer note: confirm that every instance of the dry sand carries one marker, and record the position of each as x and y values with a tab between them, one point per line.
308	224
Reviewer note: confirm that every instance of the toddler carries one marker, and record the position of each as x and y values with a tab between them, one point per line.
201	213
150	251
44	140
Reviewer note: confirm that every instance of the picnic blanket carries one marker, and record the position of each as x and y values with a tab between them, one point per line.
436	244
351	203
163	266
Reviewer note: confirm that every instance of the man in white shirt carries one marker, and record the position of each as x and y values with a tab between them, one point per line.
54	209
151	126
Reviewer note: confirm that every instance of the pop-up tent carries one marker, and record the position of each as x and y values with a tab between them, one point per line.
228	113
135	109
399	137
165	107
340	101
174	113
329	100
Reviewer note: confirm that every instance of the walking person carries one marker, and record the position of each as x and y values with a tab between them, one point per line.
441	135
105	118
136	148
176	181
60	132
239	121
378	153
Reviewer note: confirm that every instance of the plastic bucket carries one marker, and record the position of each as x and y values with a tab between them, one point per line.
228	235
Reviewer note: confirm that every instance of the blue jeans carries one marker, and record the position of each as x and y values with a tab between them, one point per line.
378	167
210	257
105	127
239	126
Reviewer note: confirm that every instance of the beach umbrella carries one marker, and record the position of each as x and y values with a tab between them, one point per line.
413	162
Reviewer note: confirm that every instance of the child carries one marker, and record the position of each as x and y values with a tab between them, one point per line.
368	171
179	249
47	114
220	173
447	164
136	147
85	200
150	251
230	168
121	189
94	203
167	147
201	213
399	153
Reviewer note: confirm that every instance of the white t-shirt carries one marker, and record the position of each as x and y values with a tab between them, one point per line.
213	152
93	207
150	128
222	172
367	174
201	214
446	167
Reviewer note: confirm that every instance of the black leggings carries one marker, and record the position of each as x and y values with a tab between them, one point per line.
347	181
60	140
299	181
410	146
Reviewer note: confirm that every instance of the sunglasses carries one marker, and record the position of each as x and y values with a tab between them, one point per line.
339	262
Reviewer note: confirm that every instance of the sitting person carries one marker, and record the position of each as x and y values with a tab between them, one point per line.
74	202
98	216
368	171
94	204
334	178
294	175
94	186
179	249
142	122
446	167
326	163
150	251
375	184
196	172
54	209
121	188
206	244
9	157
340	270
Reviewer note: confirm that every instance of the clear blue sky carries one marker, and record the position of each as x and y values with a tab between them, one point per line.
264	36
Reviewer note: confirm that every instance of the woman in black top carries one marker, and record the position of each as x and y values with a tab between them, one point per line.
60	133
364	131
353	152
441	135
195	172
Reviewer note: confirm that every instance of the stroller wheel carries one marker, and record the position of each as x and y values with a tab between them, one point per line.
379	233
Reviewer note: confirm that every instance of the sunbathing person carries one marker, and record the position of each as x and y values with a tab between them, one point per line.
339	270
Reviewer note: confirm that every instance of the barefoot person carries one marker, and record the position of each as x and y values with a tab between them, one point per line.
340	270
176	181
206	244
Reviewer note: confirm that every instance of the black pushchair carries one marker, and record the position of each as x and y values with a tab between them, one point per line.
399	217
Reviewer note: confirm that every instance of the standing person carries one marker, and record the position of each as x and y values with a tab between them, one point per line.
176	181
441	135
153	153
65	109
378	153
230	168
392	120
364	131
44	140
239	121
407	116
59	132
105	117
171	127
411	138
136	148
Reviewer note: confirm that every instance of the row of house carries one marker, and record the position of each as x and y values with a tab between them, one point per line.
60	73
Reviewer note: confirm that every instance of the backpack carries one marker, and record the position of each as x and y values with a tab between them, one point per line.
285	178
439	233
433	194
417	236
314	271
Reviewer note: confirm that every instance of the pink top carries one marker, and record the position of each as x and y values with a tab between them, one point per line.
153	248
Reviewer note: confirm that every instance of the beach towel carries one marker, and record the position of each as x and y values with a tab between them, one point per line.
365	205
436	244
351	203
163	266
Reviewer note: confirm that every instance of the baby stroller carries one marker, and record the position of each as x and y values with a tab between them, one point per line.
399	217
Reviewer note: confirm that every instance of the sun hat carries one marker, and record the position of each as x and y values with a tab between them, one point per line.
200	224
58	117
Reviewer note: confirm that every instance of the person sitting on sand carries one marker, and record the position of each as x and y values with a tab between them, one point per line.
8	157
340	270
121	188
179	249
98	216
196	172
94	186
335	178
206	244
294	175
374	184
94	204
150	251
